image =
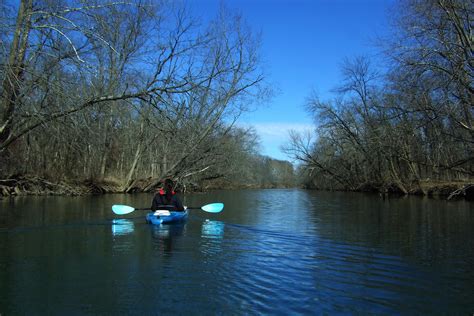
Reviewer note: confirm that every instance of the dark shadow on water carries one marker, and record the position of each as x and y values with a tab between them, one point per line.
165	235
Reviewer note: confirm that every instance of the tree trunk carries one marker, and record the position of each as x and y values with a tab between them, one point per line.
131	172
14	69
138	153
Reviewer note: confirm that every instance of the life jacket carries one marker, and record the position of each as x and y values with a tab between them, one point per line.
163	199
162	192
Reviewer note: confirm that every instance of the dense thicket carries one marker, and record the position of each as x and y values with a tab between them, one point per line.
413	124
125	90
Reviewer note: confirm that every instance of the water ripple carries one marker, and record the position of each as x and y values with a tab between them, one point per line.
301	271
271	252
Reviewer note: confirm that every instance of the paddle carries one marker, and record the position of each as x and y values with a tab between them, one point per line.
210	208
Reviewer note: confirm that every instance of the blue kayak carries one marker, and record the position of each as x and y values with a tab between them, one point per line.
158	218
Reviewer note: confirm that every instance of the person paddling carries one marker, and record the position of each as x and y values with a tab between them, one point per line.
166	199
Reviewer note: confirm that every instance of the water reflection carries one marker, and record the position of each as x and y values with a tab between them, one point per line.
165	236
122	230
269	252
212	233
122	227
212	229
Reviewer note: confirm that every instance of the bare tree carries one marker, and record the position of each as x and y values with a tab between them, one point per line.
123	89
412	124
433	56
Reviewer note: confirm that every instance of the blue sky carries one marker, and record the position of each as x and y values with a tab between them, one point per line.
303	45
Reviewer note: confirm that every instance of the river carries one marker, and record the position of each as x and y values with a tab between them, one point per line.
279	252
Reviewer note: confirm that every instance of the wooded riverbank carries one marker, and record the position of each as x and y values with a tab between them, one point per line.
409	129
34	185
75	107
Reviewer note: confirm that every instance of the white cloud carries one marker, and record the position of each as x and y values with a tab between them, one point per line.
280	130
274	134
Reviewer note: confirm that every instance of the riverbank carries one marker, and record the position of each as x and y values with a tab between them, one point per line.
446	190
34	185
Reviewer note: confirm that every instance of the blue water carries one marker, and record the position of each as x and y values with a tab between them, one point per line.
279	252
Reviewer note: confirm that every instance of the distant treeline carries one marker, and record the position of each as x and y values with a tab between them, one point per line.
405	128
116	92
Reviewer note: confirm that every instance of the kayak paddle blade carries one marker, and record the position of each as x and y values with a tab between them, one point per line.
213	208
122	209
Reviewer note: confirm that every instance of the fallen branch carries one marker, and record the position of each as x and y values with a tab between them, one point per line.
462	191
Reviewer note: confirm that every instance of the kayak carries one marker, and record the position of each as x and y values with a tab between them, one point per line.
163	217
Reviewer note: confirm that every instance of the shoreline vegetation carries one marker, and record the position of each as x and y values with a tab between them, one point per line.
21	185
100	102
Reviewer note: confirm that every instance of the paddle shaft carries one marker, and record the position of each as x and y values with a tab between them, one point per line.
187	208
210	208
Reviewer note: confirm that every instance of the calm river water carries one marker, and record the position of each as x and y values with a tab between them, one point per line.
279	252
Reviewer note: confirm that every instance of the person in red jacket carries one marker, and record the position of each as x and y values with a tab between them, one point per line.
166	199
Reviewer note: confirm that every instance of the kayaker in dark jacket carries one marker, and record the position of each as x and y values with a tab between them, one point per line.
166	199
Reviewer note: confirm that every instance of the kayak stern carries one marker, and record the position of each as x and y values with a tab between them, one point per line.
164	219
